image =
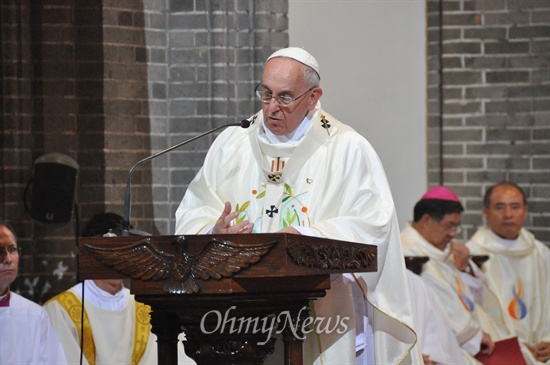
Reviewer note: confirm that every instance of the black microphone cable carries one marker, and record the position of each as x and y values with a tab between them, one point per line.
82	324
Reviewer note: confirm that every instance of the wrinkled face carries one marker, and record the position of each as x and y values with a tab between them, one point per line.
284	76
9	259
441	233
506	212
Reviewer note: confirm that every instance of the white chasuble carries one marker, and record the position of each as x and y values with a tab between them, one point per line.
112	331
112	337
435	336
519	272
333	184
466	316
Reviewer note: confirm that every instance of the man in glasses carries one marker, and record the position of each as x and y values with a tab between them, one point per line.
518	266
299	170
26	335
456	283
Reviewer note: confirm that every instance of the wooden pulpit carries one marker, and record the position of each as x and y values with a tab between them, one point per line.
230	294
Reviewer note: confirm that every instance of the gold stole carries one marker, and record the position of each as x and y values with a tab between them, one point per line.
73	306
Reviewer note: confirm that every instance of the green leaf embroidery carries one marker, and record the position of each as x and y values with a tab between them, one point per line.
243	208
293	218
288	189
261	195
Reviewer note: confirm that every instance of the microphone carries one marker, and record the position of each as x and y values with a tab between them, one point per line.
126	230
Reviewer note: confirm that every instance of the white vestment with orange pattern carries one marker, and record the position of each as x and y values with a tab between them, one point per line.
435	336
519	272
466	316
328	183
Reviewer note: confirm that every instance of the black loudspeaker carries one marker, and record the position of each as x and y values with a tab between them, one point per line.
53	188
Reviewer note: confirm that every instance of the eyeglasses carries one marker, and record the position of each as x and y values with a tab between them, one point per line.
282	100
453	229
450	227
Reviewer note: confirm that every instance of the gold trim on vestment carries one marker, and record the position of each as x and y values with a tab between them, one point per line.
142	319
141	331
73	306
206	225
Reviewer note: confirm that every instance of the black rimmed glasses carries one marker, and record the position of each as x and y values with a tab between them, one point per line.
282	100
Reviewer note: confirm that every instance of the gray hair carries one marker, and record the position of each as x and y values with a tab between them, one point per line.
311	77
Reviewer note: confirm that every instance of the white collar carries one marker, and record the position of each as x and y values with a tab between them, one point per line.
504	242
294	136
102	299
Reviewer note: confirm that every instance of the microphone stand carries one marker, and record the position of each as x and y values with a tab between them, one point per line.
126	231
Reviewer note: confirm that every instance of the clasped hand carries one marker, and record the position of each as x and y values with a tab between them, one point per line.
461	254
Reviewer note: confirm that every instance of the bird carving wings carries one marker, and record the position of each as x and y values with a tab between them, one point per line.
145	260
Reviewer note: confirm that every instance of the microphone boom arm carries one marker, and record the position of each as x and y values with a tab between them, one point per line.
128	193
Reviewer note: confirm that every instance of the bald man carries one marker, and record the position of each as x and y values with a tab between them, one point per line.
518	267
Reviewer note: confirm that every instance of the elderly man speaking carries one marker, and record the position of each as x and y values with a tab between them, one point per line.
299	170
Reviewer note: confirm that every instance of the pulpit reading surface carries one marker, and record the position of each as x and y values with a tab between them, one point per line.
261	283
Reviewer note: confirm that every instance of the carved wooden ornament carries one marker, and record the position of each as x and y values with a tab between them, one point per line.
144	260
331	257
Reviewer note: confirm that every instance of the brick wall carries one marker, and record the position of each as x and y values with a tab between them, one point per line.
204	59
489	102
127	126
39	113
91	116
108	83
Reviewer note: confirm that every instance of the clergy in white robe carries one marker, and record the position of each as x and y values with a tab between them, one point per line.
474	315
450	290
297	169
116	327
26	335
435	337
518	267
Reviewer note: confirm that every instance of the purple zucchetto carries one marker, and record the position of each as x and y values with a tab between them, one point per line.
441	193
